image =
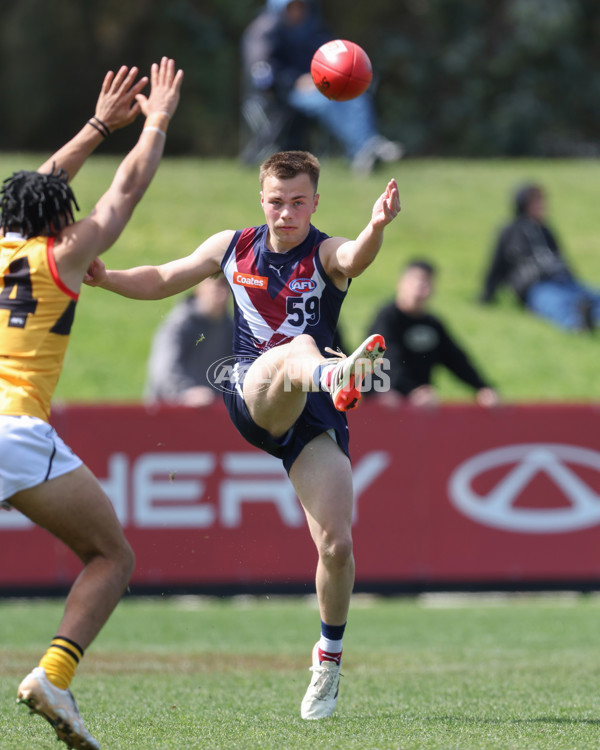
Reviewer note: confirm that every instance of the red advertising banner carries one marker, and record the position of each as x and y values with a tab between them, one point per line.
458	495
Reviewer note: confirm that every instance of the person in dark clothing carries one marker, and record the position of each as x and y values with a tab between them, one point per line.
528	259
417	342
280	96
196	333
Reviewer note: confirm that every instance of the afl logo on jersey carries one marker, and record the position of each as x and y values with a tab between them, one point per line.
302	285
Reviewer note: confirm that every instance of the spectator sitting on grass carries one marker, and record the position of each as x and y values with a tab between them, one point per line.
527	258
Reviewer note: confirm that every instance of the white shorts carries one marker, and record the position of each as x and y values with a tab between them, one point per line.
31	452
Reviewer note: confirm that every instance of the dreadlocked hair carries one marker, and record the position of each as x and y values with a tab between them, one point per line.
36	203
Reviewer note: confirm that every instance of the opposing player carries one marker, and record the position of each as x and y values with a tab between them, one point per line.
43	257
289	281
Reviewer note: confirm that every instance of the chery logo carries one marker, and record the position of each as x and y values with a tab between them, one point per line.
499	508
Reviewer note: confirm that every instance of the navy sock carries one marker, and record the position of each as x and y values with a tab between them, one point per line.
332	632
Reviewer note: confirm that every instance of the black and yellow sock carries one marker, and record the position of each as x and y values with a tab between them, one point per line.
60	661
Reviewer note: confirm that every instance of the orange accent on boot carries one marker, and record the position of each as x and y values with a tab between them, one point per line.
349	396
377	339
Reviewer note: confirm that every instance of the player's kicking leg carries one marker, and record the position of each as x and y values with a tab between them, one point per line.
276	384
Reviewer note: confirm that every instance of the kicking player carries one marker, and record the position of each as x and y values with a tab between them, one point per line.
43	257
289	281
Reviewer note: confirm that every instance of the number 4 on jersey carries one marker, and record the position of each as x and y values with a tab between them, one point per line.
17	296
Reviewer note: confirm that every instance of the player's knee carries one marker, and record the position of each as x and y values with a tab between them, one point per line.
335	551
127	561
121	560
115	554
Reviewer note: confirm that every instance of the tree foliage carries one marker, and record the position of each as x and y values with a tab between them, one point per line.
453	77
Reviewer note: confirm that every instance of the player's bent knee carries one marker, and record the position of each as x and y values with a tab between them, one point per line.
128	561
123	558
118	555
122	564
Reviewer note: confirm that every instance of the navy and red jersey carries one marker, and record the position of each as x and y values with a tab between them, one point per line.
278	296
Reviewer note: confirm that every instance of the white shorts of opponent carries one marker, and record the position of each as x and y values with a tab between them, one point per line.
31	452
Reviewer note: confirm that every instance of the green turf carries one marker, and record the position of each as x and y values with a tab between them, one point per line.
509	672
451	210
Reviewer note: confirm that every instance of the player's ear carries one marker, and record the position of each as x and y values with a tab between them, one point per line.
262	198
316	202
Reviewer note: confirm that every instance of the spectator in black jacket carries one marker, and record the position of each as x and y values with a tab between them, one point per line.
528	259
417	342
196	333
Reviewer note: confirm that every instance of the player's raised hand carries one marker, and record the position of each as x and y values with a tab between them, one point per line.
165	84
117	106
387	206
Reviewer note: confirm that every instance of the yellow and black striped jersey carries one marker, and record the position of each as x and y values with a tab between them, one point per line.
36	315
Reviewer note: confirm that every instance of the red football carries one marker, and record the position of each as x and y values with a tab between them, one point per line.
341	70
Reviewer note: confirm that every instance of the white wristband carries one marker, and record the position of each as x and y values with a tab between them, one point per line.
156	130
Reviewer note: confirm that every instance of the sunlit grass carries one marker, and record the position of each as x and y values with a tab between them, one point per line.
496	673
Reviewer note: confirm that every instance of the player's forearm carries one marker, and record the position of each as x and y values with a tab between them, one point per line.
142	282
358	255
131	180
73	154
136	171
149	282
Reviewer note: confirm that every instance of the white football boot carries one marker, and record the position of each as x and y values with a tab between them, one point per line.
349	372
58	707
321	697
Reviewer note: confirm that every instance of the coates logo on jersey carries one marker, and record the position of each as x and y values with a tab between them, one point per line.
248	279
302	285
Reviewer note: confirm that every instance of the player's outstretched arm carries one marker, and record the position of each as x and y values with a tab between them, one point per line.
349	258
116	107
158	282
78	244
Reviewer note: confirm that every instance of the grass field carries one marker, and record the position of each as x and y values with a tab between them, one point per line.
470	673
510	672
451	210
